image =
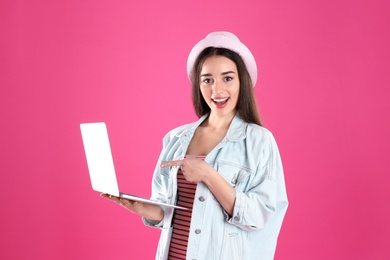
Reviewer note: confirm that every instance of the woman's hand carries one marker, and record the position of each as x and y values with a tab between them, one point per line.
149	211
133	206
197	170
194	169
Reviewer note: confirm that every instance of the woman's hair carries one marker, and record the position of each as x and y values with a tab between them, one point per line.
246	106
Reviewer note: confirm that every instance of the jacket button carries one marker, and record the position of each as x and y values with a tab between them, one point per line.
234	181
237	218
201	198
197	231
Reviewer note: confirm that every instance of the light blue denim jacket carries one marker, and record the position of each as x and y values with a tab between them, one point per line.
247	158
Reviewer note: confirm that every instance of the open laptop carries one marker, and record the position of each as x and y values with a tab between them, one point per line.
101	165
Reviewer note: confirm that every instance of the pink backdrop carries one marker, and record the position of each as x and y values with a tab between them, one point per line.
323	90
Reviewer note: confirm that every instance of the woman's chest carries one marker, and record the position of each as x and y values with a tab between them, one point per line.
204	141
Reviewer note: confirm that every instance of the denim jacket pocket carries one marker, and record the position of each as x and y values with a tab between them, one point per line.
236	176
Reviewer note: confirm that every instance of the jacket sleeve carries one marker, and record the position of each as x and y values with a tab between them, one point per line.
162	189
159	184
265	194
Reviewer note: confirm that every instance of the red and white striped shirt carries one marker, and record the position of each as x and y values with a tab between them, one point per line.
182	218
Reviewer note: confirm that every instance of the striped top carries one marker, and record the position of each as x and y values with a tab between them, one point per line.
182	218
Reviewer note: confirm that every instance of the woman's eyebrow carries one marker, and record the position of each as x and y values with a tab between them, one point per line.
228	72
223	73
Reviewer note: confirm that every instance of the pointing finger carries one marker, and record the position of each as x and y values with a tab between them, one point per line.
171	163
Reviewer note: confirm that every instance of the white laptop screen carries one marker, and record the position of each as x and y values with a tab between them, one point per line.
99	158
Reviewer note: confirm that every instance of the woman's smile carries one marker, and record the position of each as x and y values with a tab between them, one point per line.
220	102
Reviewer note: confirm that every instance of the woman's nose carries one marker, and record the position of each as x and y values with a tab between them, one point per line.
217	87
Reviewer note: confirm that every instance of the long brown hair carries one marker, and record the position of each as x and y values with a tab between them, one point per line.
246	105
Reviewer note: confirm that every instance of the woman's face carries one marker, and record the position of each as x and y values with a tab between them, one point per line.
220	85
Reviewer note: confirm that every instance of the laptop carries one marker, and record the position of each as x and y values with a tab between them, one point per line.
101	165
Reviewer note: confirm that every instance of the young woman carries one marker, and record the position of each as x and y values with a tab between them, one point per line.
225	167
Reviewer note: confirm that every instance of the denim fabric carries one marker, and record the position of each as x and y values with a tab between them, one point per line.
248	159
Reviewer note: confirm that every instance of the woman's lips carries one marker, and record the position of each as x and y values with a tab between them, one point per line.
220	102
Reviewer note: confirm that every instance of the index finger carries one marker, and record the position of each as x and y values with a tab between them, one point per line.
171	163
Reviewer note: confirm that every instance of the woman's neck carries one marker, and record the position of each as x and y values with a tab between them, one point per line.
217	123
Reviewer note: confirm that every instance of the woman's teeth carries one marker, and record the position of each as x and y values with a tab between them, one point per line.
220	100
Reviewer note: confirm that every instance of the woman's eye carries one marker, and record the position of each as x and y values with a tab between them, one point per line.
207	81
228	79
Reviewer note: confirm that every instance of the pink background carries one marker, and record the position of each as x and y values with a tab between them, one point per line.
323	90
